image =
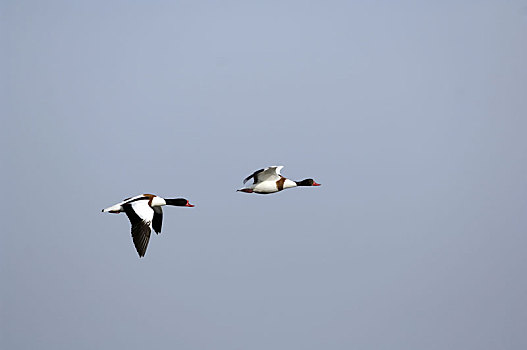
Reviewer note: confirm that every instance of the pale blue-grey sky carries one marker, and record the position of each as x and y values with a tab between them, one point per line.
413	116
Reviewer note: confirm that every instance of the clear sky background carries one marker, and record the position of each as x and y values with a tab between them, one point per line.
412	116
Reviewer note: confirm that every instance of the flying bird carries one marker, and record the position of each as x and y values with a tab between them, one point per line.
145	213
269	180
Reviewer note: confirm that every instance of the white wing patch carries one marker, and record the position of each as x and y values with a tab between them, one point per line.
271	173
143	210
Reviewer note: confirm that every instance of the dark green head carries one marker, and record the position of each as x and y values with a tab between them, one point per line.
307	182
178	202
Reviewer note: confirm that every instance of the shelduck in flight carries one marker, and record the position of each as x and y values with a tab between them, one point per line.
145	213
269	180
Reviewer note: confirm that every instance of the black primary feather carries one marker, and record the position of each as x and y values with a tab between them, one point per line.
140	230
253	175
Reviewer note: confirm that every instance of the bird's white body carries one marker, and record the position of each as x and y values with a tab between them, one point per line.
271	186
154	201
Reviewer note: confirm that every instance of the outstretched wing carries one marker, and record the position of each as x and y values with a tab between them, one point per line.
253	175
271	173
141	216
158	219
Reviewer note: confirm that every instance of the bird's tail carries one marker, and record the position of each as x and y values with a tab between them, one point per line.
113	209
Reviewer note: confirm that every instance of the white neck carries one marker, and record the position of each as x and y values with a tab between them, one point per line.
288	184
158	202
